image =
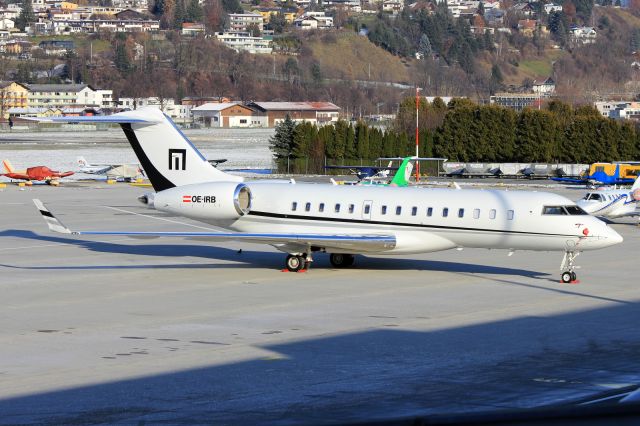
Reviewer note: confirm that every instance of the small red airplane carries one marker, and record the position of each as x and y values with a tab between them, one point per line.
38	173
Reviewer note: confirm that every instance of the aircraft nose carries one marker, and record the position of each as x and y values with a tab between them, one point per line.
613	236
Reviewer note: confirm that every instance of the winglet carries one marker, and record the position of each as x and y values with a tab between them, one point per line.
52	222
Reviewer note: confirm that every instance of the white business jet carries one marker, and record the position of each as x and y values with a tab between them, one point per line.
302	219
612	203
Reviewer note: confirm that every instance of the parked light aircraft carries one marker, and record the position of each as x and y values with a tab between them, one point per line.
37	173
612	203
112	171
305	218
363	173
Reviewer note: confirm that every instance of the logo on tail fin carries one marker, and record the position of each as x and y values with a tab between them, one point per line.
177	159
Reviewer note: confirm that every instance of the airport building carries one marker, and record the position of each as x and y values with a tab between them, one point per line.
264	114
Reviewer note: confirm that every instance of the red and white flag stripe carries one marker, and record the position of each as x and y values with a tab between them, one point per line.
186	198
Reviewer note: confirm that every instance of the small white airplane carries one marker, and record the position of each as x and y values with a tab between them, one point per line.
612	203
94	169
113	171
302	219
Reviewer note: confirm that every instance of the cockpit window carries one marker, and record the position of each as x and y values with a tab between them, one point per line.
553	210
563	210
592	196
575	210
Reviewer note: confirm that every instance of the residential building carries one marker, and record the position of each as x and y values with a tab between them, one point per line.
550	8
545	88
190	29
7	24
266	12
12	95
392	6
180	114
527	27
322	20
228	114
313	112
245	41
243	21
583	35
67	95
56	47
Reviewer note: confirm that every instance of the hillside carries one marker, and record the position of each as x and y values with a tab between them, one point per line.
347	55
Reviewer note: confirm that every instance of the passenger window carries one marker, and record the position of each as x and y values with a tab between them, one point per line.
476	213
398	210
351	208
383	210
321	207
445	212
430	211
307	207
460	212
414	211
338	208
367	209
509	214
294	206
492	214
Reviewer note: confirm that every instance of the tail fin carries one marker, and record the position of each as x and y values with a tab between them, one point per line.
167	156
7	166
636	184
401	178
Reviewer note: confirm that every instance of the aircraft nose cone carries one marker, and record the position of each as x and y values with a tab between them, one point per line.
614	237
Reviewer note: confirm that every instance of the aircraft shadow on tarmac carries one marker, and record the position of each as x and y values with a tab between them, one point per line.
382	372
252	259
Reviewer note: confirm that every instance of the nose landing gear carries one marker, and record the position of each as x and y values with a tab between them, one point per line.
297	262
568	267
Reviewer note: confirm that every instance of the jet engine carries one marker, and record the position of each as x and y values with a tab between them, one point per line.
636	195
206	201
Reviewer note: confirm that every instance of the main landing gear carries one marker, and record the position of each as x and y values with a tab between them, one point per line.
569	275
299	262
339	260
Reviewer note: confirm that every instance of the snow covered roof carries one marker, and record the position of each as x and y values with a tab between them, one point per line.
215	106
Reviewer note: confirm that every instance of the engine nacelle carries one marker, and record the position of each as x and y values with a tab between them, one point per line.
206	201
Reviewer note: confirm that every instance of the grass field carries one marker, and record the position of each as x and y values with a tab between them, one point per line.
347	55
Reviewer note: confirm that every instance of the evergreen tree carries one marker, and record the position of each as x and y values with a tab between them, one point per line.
158	8
424	48
26	15
179	15
282	142
122	61
194	11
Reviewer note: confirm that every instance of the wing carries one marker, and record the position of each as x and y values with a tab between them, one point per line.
359	243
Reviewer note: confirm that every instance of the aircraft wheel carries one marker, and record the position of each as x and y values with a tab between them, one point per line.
567	277
294	263
339	260
574	277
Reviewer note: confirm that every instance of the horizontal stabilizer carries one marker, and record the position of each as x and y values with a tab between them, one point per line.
128	117
52	222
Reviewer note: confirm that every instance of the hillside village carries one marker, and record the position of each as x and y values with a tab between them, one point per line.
129	53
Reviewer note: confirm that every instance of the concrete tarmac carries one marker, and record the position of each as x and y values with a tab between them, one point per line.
118	330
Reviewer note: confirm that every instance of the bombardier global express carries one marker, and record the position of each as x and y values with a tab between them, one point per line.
302	219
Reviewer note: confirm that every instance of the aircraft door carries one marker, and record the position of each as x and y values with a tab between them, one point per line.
367	206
